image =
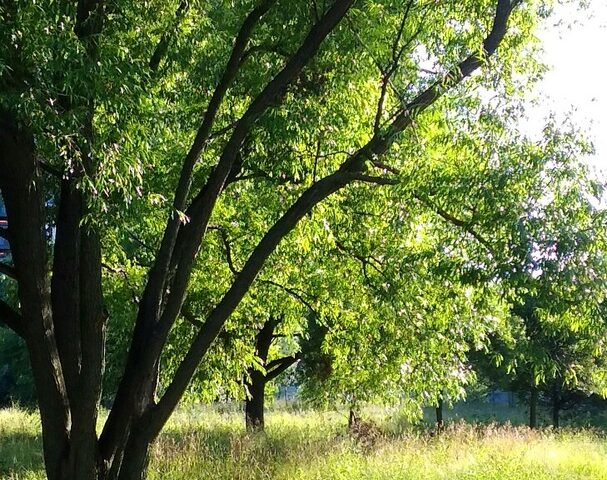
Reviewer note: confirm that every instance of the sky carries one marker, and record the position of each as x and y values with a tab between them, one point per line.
575	49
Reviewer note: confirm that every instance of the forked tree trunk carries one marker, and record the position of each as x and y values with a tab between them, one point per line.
68	399
257	380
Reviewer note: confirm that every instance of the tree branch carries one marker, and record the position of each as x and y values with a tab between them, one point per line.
140	242
365	262
89	18
393	66
144	352
228	249
376	180
12	319
467	226
190	236
201	208
404	117
159	272
52	171
294	293
167	36
8	271
191	318
151	301
216	319
276	367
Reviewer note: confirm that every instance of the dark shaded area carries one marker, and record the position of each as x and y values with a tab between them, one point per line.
20	452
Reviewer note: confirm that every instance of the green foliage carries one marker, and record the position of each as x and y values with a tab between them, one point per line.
401	282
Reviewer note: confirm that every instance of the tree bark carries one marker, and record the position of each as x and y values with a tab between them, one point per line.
556	406
533	407
440	425
255	402
257	380
20	185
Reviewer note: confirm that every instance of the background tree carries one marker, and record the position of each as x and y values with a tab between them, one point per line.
552	259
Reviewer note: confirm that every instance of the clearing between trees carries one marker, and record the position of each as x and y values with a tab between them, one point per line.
201	443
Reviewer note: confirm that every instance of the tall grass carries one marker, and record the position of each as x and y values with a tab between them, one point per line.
205	443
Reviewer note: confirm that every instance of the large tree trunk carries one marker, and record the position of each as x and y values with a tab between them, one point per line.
68	408
533	407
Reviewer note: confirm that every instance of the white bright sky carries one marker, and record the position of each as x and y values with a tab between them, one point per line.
575	45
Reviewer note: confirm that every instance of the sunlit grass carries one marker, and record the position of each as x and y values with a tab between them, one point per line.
205	443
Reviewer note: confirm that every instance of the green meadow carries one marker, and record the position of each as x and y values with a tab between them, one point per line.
205	443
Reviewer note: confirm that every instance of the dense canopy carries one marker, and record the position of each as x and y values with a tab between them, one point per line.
179	175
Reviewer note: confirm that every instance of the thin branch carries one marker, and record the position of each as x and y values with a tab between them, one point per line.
167	36
376	180
222	131
375	61
250	176
465	225
12	319
391	69
191	318
228	249
405	115
364	260
386	167
291	291
140	242
275	49
279	361
52	171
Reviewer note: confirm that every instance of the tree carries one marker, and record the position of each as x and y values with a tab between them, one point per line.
536	231
257	379
553	279
92	102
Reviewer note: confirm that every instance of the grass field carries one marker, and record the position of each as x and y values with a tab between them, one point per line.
207	444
